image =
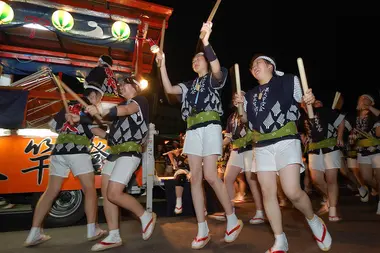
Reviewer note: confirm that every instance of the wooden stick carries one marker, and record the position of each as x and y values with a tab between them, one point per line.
72	93
238	87
162	40
336	99
212	14
305	86
62	91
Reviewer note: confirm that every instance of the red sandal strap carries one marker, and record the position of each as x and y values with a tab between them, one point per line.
323	234
107	243
147	226
200	239
179	208
277	251
233	230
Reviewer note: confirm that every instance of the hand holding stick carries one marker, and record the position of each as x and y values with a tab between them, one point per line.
162	40
63	96
305	86
212	14
72	93
238	88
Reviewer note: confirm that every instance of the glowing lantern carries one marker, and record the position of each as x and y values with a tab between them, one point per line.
121	30
6	13
144	84
62	20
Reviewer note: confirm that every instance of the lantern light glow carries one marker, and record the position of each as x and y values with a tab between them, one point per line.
121	30
144	84
62	20
6	13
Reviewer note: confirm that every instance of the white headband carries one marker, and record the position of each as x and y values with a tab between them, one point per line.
86	86
279	73
369	97
103	62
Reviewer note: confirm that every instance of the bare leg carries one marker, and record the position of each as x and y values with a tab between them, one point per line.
195	163
290	181
333	189
91	199
229	180
111	210
268	185
210	174
255	189
116	195
242	185
318	178
46	201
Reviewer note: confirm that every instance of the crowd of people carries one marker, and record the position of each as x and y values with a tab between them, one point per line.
265	146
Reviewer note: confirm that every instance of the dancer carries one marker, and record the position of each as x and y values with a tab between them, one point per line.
240	161
71	152
202	108
271	109
128	133
366	136
102	75
326	137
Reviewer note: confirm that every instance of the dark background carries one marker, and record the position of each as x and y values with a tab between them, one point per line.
242	28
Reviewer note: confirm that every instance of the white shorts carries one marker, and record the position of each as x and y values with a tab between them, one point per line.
322	162
352	163
122	169
60	165
370	159
276	156
204	141
241	160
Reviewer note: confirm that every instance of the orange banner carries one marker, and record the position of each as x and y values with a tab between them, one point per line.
24	164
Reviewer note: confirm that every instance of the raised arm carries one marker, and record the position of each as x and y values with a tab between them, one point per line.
210	54
169	88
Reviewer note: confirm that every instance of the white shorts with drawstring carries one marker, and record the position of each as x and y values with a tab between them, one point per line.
276	156
121	170
242	160
204	141
78	164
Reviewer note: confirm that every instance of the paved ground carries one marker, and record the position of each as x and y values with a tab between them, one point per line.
358	233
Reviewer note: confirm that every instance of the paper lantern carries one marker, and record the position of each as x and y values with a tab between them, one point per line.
62	20
121	30
6	13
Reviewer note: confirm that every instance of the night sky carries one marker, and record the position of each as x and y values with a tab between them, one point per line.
240	31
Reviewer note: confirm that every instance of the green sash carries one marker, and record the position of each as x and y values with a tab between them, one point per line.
73	138
289	129
322	144
202	117
370	142
128	146
243	141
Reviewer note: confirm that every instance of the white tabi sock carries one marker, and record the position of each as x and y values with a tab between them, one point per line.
145	219
113	236
91	230
202	229
316	226
35	233
178	202
232	221
281	243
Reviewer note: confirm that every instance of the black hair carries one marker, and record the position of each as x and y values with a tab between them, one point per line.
87	92
255	56
132	81
107	59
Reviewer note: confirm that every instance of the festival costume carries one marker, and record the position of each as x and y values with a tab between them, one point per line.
126	137
272	111
202	109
